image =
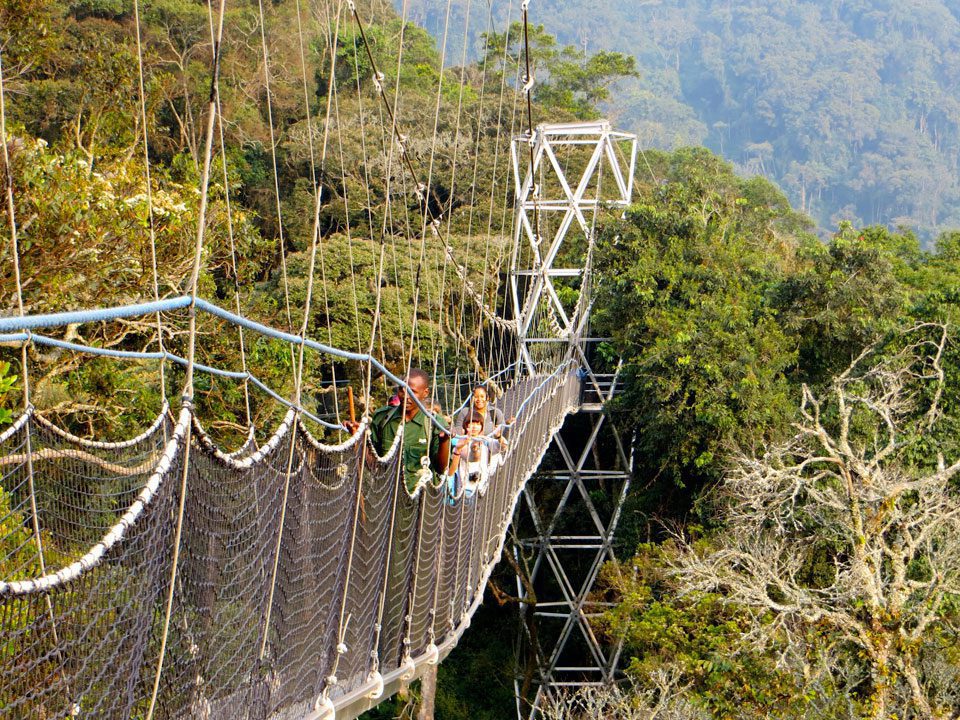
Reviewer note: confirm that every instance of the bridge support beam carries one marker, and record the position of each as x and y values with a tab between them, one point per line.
564	528
564	532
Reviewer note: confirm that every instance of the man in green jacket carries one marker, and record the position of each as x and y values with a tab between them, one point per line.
426	448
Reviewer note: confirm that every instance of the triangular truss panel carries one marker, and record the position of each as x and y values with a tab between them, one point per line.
564	174
565	531
565	526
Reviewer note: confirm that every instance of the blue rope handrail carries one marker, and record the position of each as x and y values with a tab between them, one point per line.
17	329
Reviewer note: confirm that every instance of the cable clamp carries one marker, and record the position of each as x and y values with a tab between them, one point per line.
324	707
408	668
377	679
528	82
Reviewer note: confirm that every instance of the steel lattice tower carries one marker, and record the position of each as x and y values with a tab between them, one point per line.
588	478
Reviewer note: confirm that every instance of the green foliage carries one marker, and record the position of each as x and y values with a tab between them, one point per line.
700	637
690	267
568	81
8	383
851	107
722	304
845	297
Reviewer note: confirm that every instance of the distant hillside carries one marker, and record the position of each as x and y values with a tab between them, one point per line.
851	106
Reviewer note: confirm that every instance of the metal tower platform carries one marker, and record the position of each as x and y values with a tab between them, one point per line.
565	526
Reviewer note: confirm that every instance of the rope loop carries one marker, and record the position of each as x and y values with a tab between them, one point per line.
528	83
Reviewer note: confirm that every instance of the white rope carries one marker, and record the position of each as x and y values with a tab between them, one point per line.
233	263
315	243
149	192
191	354
297	366
27	406
17	425
276	171
424	191
346	214
157	422
93	557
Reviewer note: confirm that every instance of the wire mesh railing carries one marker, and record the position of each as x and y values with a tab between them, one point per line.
306	574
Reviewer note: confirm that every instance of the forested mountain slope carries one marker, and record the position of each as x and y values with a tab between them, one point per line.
851	106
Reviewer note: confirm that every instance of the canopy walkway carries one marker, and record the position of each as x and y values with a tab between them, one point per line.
163	576
308	581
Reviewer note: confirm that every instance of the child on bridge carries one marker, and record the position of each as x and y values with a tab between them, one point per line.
472	459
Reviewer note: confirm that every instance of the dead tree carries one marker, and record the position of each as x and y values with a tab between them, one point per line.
849	536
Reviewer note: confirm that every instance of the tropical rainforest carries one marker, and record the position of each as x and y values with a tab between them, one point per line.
786	317
848	105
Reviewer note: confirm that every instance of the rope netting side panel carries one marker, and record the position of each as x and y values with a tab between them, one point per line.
304	572
399	580
313	572
379	494
220	599
84	645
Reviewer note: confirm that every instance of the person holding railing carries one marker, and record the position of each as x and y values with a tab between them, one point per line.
426	448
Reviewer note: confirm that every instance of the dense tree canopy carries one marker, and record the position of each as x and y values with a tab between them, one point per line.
851	107
723	303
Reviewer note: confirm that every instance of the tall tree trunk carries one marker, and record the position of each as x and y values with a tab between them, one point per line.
428	690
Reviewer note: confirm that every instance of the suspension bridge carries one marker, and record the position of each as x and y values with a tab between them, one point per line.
296	576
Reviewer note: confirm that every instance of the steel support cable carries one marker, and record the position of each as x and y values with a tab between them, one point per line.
323	700
528	83
453	179
440	546
473	184
423	193
297	389
191	354
346	215
387	224
316	244
31	322
132	354
149	187
400	481
361	114
273	159
27	406
233	255
426	215
369	209
389	148
514	114
395	133
297	364
493	186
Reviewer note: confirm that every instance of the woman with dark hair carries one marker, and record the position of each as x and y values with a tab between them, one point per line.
493	423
